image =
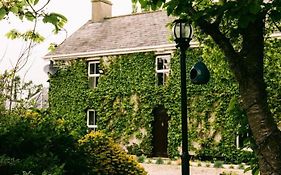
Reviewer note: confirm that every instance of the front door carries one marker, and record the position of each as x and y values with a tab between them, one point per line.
160	132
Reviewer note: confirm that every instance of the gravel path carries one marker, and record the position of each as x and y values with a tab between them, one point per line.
155	169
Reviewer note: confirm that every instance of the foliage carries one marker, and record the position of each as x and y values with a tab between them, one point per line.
141	159
68	97
218	164
273	77
226	173
16	94
36	143
135	149
32	137
159	160
123	98
239	29
31	10
106	157
127	94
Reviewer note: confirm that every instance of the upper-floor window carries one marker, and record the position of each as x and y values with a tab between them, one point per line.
162	68
93	73
92	119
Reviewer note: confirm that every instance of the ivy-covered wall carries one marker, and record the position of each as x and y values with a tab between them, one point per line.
127	94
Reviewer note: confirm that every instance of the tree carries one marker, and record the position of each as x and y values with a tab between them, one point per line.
16	94
240	28
26	10
31	10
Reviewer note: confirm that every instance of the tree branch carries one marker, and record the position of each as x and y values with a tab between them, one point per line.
221	40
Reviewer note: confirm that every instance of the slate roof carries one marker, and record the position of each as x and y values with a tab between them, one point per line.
121	32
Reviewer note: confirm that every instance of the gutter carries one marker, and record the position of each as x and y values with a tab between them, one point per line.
166	48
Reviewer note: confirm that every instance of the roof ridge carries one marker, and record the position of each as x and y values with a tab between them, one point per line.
134	14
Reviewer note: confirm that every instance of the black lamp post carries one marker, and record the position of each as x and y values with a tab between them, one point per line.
182	36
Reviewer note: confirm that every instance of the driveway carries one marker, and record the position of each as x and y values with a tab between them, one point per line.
156	169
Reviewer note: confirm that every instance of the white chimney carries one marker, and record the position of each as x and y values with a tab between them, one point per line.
101	9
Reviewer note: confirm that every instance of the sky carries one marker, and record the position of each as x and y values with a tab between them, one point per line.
78	12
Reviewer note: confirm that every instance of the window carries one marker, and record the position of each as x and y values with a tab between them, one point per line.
92	119
93	73
162	69
242	140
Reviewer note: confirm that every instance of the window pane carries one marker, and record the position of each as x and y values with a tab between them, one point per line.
97	81
95	120
92	68
165	77
91	118
97	68
159	63
166	64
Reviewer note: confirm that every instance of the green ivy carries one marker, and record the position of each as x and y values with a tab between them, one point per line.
127	94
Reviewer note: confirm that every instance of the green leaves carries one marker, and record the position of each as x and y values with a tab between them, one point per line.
14	9
33	2
26	36
255	7
126	96
56	19
13	34
3	13
29	10
29	16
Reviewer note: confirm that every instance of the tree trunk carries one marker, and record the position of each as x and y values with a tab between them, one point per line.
254	99
247	66
264	129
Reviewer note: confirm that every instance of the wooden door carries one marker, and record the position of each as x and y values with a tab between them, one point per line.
160	132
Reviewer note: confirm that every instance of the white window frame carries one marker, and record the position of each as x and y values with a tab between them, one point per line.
95	76
164	71
238	140
95	126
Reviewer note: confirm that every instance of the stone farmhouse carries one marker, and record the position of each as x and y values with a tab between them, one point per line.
115	74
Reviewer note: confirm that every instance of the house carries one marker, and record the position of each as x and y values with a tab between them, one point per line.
115	74
40	99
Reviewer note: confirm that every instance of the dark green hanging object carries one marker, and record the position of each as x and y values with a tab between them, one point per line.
199	73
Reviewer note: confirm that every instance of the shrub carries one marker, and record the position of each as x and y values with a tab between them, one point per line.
159	160
241	166
218	164
33	142
141	158
135	149
227	173
106	157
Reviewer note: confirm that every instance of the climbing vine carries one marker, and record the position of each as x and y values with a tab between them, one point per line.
127	94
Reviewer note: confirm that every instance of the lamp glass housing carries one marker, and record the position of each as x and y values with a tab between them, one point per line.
182	30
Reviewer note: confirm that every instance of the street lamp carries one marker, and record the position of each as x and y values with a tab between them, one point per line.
182	35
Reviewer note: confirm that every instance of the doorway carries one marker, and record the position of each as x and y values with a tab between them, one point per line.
160	132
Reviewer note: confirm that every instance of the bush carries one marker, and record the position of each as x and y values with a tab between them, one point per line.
135	149
107	158
159	160
141	159
34	142
218	164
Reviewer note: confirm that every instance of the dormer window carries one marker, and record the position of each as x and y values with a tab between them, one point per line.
92	119
162	69
93	73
